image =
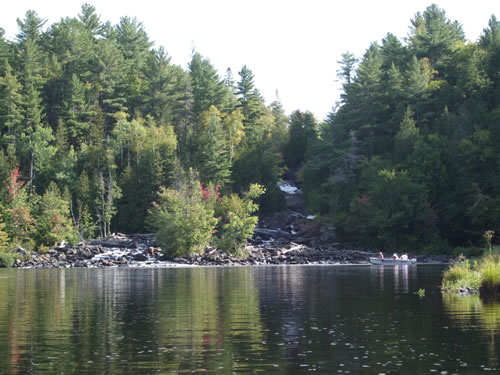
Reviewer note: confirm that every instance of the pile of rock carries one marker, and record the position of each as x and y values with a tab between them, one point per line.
116	250
291	253
140	250
269	246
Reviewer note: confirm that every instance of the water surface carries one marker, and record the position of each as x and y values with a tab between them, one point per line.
271	320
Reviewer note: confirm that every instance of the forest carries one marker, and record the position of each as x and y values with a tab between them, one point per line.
100	132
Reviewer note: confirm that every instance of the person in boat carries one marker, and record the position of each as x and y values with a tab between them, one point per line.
404	257
380	256
395	256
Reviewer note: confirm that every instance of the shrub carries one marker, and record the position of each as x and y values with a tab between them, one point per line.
237	224
490	273
181	220
53	219
6	260
461	275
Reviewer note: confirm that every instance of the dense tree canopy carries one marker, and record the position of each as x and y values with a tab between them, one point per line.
96	125
409	161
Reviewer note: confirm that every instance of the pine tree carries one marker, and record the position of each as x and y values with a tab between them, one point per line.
109	79
347	68
434	36
90	19
11	106
164	97
30	27
214	158
5	52
406	136
249	98
134	45
208	88
303	130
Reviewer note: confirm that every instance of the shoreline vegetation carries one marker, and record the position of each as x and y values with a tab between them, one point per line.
470	276
480	275
101	133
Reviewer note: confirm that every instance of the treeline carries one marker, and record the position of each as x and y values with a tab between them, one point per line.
100	132
95	123
409	159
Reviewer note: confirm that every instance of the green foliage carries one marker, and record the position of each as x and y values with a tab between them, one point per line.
347	69
183	222
460	276
392	210
186	219
107	193
93	108
54	221
7	260
214	155
407	159
208	87
483	275
236	223
18	211
4	237
303	130
11	115
490	273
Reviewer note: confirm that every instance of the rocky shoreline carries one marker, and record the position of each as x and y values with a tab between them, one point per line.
290	237
140	250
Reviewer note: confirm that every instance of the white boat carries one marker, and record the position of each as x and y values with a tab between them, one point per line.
392	262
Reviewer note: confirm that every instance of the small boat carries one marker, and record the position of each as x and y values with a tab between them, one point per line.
392	262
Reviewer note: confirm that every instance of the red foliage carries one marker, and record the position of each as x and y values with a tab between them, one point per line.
13	184
206	193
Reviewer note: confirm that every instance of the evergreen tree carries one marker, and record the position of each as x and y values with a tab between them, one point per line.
249	98
406	136
30	27
109	79
90	19
434	36
214	159
165	93
11	107
5	51
208	88
347	68
134	45
303	130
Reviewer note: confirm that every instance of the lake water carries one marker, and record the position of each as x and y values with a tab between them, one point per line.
269	320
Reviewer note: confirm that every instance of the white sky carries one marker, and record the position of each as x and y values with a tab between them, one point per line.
291	46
